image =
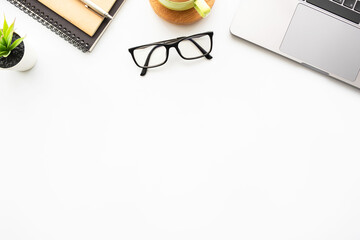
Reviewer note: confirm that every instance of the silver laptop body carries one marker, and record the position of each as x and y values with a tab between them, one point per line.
323	35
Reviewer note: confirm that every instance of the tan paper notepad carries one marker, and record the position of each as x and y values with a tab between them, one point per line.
75	12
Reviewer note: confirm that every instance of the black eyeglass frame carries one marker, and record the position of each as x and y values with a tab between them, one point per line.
173	43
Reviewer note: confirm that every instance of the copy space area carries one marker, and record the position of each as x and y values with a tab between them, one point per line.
246	146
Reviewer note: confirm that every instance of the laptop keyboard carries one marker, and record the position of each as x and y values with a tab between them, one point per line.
348	9
352	4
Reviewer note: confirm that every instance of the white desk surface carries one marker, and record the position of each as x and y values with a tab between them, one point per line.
246	146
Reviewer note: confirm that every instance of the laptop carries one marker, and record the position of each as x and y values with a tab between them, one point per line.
323	35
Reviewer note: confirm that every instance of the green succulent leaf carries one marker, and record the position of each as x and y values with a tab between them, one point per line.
7	54
3	40
5	26
9	34
4	53
2	48
15	44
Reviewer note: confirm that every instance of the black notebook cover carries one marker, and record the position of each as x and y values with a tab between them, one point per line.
62	27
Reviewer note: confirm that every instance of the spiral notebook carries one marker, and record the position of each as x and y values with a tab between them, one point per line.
83	32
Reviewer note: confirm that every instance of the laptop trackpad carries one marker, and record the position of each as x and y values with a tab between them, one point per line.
323	42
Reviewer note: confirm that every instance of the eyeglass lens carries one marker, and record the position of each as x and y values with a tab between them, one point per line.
195	47
150	56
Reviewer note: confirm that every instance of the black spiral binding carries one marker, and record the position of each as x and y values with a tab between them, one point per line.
50	24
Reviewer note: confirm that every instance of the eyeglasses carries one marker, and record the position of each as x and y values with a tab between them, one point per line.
156	54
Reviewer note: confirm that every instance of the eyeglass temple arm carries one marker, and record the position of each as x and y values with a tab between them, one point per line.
203	51
144	70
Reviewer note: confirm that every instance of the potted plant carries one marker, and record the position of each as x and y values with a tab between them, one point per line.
15	53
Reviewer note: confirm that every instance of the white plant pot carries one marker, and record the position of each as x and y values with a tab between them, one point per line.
29	59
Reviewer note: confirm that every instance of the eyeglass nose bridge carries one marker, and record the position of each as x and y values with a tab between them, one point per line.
174	45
